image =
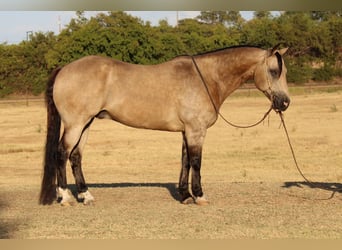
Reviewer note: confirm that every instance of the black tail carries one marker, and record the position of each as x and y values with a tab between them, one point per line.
48	188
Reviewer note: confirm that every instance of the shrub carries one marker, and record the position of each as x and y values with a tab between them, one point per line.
325	73
298	73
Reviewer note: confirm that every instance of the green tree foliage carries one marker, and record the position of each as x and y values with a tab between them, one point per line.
227	18
23	66
261	32
314	38
262	14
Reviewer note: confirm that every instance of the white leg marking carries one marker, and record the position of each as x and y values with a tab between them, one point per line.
66	196
59	193
201	200
86	197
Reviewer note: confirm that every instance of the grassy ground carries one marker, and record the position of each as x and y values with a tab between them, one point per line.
247	174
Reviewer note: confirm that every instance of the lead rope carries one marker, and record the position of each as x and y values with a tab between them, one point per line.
216	109
281	115
313	184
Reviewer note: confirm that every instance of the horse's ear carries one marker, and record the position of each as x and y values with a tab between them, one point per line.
283	51
271	52
275	49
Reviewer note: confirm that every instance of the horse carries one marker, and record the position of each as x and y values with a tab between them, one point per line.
183	95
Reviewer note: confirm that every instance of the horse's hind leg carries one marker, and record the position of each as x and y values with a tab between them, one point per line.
63	194
69	148
76	165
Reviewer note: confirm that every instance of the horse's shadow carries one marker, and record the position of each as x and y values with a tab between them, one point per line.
328	186
171	187
7	227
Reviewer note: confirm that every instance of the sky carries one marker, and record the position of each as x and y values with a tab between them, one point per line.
16	25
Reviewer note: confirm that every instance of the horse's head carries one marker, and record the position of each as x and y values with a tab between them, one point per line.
270	78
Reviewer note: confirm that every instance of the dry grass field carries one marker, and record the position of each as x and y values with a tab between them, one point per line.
248	175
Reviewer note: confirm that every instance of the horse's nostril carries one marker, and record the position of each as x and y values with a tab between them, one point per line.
281	102
285	106
286	102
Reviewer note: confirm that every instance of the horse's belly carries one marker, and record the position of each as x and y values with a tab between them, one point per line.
147	118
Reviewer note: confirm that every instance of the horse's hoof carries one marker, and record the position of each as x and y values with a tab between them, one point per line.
188	201
201	201
89	202
66	204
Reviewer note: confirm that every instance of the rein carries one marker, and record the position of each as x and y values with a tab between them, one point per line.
216	109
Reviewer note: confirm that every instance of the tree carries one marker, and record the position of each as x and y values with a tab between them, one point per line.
262	14
325	15
24	67
199	37
260	32
227	18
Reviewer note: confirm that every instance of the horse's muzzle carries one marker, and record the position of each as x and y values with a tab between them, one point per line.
280	101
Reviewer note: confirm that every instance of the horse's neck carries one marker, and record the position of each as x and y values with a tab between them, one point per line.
226	73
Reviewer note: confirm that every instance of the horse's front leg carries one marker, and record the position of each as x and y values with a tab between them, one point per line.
195	154
183	186
194	143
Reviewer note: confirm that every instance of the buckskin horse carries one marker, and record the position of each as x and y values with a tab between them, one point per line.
181	95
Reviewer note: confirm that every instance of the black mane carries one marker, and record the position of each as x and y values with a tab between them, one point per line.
220	50
227	48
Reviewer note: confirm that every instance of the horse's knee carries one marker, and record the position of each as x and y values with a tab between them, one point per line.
195	162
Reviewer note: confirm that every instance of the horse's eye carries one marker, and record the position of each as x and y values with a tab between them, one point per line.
274	73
